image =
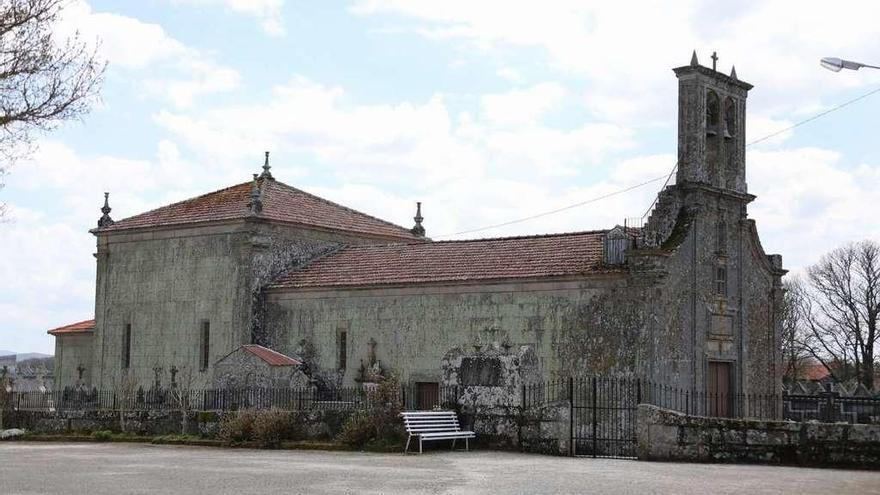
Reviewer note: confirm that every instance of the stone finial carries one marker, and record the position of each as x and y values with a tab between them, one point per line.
418	229
694	61
266	173
105	220
714	60
256	202
733	73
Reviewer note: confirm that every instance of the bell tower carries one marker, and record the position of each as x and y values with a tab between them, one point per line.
711	126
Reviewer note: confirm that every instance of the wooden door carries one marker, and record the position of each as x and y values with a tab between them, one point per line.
427	395
719	389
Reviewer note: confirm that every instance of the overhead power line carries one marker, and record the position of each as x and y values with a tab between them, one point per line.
667	177
814	117
551	212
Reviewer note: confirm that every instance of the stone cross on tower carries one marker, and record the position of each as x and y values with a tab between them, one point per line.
714	61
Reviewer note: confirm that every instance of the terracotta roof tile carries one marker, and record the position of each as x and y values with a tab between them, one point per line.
483	259
272	358
280	203
86	326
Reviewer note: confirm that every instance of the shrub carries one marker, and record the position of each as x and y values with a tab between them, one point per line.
268	428
207	416
237	427
380	421
102	436
273	426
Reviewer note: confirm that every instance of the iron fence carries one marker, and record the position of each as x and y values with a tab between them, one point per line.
290	399
413	396
828	406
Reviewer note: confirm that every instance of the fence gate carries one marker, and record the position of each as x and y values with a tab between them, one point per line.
603	416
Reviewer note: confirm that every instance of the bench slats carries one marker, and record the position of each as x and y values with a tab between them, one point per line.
433	425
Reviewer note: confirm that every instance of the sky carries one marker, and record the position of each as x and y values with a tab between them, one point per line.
485	111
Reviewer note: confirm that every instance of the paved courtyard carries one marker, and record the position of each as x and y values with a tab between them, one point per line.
97	469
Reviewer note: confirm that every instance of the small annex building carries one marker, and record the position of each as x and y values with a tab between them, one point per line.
220	285
253	365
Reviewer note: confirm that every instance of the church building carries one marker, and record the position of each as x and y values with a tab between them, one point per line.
264	271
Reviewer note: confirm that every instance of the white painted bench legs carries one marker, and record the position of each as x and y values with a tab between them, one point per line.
407	444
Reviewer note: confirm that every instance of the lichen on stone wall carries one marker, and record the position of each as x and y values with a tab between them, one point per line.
274	257
601	335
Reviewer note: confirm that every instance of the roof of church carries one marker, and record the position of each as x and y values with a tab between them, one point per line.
270	357
453	261
86	326
280	202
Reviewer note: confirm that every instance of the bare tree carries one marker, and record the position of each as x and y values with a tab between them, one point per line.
795	357
182	386
43	80
126	388
840	309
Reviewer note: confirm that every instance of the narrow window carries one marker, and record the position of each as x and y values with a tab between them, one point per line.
205	347
721	236
341	347
729	118
721	281
713	113
126	347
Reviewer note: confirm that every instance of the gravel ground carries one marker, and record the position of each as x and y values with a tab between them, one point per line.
118	469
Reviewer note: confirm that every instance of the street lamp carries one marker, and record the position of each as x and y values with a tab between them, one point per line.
835	64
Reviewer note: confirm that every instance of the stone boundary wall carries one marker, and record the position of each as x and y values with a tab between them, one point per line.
539	430
317	424
665	435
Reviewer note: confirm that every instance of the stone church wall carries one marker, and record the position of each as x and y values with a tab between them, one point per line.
587	326
165	283
698	323
72	352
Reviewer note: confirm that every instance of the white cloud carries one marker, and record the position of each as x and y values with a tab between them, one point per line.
267	12
622	52
48	278
523	106
411	143
808	203
510	74
160	64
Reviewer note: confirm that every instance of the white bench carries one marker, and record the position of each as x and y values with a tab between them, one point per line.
434	425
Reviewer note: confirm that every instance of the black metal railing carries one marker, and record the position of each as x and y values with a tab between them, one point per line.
827	406
413	396
830	406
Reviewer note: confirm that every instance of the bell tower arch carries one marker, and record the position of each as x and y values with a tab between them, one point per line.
711	127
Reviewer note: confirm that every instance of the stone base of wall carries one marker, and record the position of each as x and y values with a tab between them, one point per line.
317	424
665	435
539	430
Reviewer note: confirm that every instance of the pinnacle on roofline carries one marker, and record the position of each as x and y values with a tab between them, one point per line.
418	229
256	202
266	173
105	220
